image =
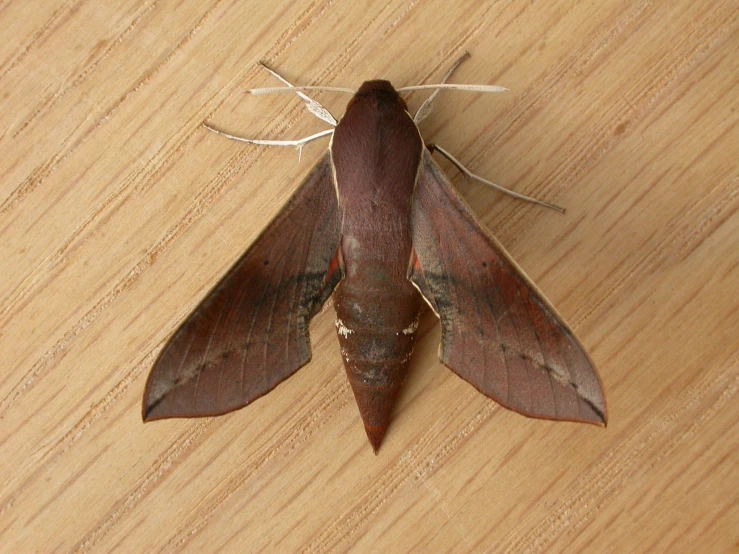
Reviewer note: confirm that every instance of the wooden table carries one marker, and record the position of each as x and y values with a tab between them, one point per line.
119	211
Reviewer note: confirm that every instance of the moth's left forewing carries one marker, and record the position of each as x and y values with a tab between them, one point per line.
251	331
498	330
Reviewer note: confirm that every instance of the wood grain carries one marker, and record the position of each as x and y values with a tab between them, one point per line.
119	211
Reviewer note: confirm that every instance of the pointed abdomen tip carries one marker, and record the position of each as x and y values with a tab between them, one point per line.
375	436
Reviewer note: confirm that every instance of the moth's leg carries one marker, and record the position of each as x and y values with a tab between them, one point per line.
425	108
468	173
313	106
297	143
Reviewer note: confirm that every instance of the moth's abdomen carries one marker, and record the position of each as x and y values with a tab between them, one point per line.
376	326
376	335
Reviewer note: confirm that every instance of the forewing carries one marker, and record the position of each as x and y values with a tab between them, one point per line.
251	331
498	331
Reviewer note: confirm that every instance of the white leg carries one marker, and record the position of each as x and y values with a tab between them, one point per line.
313	107
471	175
297	143
425	108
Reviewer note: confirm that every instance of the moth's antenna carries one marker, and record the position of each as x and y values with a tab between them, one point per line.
277	90
471	88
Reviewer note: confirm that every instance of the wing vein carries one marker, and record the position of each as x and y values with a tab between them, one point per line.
248	339
562	357
237	311
303	283
179	369
543	359
205	357
471	279
265	366
499	341
554	395
499	319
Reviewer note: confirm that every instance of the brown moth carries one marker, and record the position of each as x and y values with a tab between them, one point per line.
377	224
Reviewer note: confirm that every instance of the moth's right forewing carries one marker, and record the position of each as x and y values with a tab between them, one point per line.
251	331
498	331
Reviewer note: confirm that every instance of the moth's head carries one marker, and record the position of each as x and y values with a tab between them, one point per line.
382	90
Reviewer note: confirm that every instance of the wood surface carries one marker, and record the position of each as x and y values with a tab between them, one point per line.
119	211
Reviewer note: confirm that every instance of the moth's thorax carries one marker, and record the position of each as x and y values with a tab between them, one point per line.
376	150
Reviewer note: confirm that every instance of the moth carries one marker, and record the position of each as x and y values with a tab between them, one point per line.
377	224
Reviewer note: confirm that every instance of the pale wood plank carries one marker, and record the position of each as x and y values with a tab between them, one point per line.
118	212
